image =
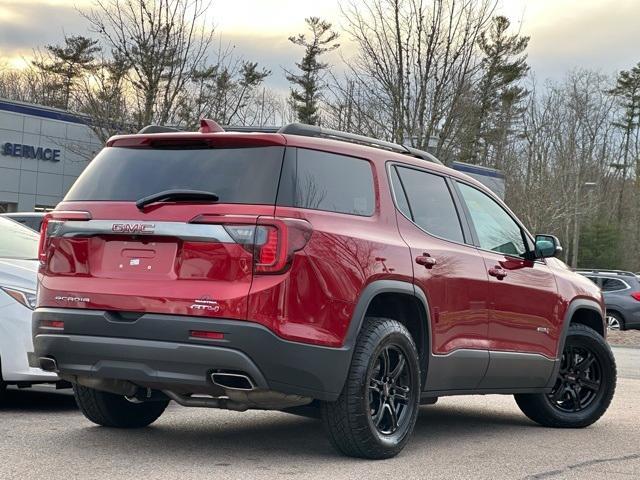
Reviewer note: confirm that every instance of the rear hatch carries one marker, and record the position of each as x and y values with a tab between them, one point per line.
183	254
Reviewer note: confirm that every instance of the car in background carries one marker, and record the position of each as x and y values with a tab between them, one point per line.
18	273
33	220
621	291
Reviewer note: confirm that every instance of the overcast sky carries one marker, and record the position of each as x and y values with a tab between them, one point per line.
565	34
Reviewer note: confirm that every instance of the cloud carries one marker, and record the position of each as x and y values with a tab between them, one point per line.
601	35
271	51
27	25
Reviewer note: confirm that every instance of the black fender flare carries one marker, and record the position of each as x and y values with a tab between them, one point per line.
370	292
388	286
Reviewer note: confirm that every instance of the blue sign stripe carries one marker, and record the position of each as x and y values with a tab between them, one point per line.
487	172
41	112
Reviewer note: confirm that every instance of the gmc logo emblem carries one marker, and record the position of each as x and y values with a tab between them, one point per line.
137	228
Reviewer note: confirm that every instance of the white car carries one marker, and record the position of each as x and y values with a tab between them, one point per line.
18	277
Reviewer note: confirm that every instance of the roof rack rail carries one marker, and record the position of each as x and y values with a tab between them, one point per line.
316	131
157	129
624	273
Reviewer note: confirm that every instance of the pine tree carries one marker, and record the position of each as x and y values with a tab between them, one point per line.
69	62
310	80
498	96
627	90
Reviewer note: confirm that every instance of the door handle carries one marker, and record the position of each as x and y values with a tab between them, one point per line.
498	272
426	260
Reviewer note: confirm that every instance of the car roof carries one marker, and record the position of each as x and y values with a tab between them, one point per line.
607	273
258	139
24	214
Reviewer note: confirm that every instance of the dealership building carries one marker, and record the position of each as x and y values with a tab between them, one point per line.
42	152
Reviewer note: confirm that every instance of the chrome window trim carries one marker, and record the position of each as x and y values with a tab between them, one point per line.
393	163
627	286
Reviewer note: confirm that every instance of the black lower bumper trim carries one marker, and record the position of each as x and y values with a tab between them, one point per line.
156	350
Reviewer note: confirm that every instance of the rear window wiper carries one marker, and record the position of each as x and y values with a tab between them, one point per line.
179	195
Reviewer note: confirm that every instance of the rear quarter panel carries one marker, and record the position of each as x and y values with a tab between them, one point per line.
315	301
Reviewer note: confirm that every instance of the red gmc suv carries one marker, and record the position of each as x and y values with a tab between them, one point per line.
307	270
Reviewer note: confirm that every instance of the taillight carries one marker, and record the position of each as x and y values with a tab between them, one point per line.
636	296
272	241
56	216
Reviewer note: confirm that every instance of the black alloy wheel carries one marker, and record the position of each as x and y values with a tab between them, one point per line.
579	380
377	409
389	390
584	385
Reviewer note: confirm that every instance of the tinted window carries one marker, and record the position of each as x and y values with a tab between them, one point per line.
430	203
236	175
336	183
17	241
612	284
496	230
593	279
398	191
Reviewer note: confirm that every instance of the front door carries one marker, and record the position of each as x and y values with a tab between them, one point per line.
524	301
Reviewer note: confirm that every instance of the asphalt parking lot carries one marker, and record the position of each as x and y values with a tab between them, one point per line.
42	435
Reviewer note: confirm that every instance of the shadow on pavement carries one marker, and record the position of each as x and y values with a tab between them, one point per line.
37	400
212	439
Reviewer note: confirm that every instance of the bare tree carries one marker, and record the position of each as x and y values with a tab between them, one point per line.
103	98
415	63
162	41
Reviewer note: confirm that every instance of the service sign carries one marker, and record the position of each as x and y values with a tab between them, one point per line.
29	151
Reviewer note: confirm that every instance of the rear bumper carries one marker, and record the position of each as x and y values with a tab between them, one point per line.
157	351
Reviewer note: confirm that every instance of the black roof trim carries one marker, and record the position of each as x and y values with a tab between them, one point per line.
305	130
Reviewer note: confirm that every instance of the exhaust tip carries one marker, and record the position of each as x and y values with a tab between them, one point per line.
232	381
48	364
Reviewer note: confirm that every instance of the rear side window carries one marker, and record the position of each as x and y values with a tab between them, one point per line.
430	204
612	285
327	181
236	175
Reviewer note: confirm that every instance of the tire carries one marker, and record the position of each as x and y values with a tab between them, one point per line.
585	385
110	410
615	321
360	423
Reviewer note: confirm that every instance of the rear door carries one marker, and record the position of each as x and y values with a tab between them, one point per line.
175	257
450	272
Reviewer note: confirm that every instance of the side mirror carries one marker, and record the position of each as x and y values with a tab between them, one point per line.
547	246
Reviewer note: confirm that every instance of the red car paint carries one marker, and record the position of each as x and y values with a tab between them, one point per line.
312	301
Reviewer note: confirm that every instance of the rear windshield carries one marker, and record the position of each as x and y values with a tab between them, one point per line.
17	241
236	175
